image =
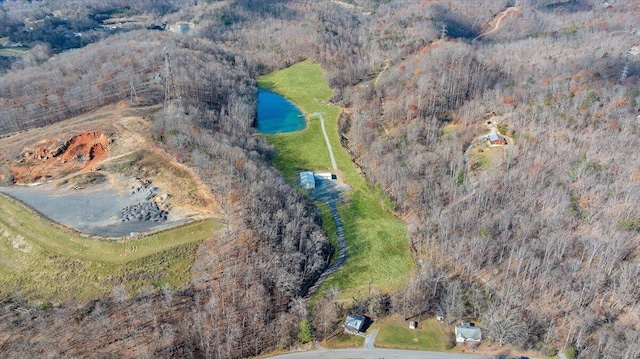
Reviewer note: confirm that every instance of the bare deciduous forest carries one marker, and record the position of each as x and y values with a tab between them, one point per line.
538	239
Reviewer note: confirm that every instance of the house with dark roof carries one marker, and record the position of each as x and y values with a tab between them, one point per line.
468	332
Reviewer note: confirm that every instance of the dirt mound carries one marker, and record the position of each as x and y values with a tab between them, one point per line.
54	158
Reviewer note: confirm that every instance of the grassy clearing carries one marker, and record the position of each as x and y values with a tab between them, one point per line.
378	249
44	262
395	333
449	128
482	156
342	341
14	51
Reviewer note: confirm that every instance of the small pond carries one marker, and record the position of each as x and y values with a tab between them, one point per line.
276	114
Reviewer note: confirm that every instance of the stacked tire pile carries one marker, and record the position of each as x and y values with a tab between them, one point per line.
146	210
143	211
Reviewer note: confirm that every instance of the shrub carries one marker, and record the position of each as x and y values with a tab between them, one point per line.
450	341
570	352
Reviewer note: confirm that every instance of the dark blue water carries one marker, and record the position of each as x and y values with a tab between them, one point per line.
277	114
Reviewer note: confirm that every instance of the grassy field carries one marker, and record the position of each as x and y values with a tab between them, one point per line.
342	341
395	333
14	51
379	258
44	262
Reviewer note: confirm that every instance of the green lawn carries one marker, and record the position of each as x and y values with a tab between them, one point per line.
395	333
44	262
378	249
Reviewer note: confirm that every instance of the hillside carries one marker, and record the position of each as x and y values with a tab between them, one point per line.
113	168
267	252
544	224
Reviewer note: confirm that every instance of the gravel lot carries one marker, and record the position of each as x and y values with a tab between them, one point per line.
94	210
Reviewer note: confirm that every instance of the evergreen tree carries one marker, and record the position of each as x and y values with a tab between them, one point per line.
305	335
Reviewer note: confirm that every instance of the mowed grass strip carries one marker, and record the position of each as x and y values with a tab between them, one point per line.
379	258
44	262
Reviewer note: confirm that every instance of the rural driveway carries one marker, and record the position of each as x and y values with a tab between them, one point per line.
370	339
377	354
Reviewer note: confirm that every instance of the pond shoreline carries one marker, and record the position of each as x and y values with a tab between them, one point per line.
277	114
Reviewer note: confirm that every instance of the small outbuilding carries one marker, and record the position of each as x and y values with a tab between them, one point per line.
354	323
468	332
307	180
496	139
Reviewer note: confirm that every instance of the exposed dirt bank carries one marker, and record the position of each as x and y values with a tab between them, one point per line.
102	174
54	158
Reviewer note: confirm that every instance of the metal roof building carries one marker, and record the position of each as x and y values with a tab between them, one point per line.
307	180
496	139
354	323
467	332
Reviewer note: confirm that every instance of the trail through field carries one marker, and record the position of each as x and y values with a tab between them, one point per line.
497	21
326	138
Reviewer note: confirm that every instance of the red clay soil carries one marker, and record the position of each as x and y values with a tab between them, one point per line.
54	158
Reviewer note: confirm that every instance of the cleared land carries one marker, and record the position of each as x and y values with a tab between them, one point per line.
92	167
45	262
378	249
14	52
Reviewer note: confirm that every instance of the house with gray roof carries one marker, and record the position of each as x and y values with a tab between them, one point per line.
354	323
496	139
468	332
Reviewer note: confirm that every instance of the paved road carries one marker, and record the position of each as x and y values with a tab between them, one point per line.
326	138
377	354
